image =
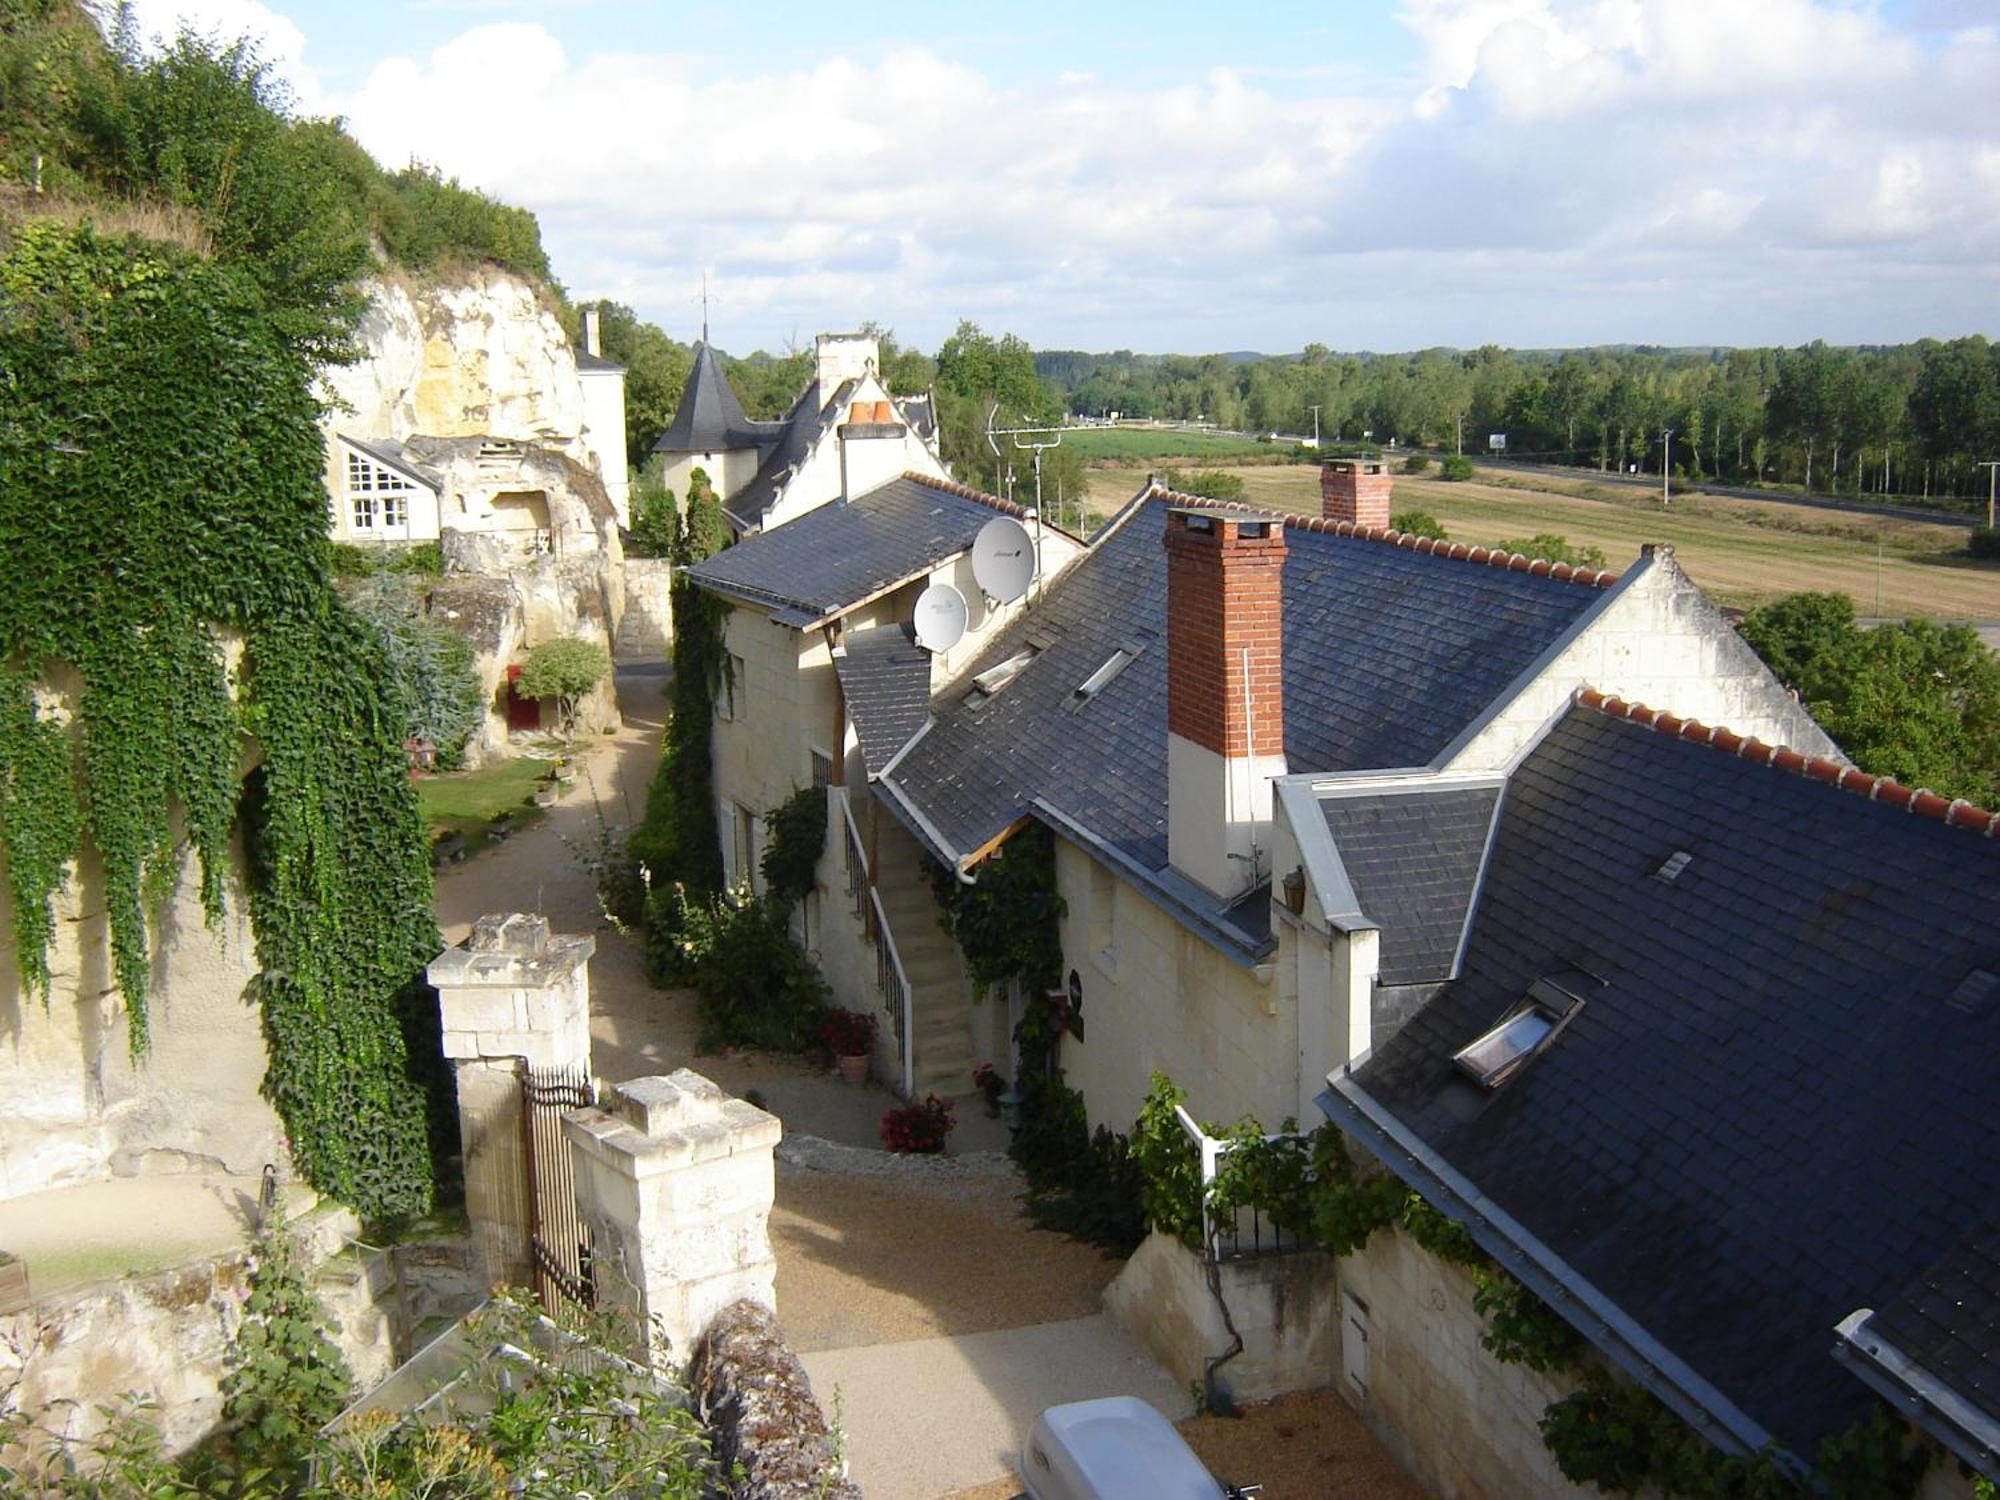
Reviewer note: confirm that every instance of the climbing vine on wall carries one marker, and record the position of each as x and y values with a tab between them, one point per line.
161	503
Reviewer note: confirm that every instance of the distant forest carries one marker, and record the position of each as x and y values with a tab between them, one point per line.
1910	419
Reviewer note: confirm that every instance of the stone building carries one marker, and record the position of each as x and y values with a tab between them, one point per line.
844	435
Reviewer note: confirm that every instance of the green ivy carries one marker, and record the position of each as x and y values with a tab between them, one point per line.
160	492
798	838
1006	922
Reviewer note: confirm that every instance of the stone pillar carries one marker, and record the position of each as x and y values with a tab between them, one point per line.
514	992
675	1180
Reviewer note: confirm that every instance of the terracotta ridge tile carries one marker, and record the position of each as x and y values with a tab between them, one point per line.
1457	551
1922	801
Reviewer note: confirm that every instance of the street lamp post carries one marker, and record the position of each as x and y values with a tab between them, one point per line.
1666	465
1992	468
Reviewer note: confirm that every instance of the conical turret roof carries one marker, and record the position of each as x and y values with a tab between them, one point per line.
710	419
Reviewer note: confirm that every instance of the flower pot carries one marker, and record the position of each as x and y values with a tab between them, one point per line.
853	1069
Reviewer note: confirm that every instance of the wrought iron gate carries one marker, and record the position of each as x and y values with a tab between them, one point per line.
558	1239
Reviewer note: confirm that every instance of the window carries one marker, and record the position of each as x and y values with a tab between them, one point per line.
1103	899
745	824
1099	680
998	676
377	495
1493	1058
725	701
822	765
1525	1031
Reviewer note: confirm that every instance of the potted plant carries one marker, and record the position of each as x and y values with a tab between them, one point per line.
850	1036
918	1128
990	1085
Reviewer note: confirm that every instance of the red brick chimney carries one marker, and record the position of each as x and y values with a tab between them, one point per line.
1355	489
1225	693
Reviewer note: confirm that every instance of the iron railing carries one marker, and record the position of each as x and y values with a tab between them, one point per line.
1241	1233
890	977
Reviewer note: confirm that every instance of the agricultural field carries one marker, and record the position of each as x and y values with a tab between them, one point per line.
1743	552
1138	445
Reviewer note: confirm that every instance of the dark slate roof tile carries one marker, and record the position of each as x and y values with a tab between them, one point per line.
1948	1319
842	553
1413	858
710	419
885	677
1389	653
1786	1121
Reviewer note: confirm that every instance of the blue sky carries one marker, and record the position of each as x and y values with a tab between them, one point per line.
1193	176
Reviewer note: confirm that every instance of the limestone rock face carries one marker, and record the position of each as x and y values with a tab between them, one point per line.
476	356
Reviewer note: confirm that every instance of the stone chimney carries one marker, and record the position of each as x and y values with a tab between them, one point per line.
1225	693
841	357
591	346
1355	489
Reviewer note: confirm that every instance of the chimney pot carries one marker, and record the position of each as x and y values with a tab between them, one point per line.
1356	490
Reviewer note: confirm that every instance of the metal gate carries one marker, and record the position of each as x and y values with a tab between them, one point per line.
558	1239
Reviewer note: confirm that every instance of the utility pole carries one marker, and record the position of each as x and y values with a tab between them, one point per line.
1315	412
1666	465
1992	468
1461	432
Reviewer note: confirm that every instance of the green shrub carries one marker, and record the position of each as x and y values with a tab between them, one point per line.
1984	542
1210	484
797	831
1416	463
655	518
1417	523
754	986
1083	1183
1169	1164
431	670
1455	466
1554	548
563	669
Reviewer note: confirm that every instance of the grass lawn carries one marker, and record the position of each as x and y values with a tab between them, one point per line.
1743	552
1144	444
467	802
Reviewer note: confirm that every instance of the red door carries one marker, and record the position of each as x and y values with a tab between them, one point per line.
522	713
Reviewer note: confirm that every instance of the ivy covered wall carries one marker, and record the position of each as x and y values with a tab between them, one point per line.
160	492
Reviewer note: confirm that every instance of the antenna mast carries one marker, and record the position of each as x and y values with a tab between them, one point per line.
1055	437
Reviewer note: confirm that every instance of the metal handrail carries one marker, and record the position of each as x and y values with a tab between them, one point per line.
890	977
1212	1152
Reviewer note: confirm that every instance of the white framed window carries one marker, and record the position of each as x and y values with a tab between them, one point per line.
378	497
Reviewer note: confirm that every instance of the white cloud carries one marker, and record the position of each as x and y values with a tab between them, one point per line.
279	40
1671	169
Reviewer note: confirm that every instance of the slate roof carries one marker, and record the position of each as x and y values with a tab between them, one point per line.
792	440
1771	1113
397	456
832	558
597	364
885	679
1948	1320
710	419
1389	654
1412	857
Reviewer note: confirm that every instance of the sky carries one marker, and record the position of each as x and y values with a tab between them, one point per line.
1195	177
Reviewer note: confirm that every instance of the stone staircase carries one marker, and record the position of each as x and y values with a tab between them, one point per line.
941	1023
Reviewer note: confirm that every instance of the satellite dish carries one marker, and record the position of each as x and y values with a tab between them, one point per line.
941	617
1003	559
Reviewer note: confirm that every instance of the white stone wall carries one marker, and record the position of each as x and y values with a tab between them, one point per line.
646	629
1664	644
727	472
604	436
1156	996
1458	1419
75	1106
1285	1307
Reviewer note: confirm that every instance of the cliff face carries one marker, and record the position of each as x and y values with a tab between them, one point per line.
479	356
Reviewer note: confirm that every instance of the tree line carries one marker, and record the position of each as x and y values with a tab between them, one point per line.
1908	419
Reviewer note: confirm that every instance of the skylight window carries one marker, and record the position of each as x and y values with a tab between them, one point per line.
1678	861
1493	1058
1975	993
1099	680
1000	674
